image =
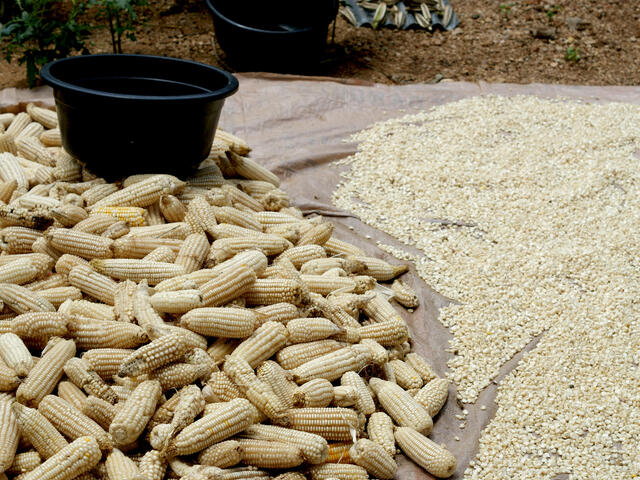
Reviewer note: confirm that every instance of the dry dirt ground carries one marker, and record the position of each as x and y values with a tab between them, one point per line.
520	41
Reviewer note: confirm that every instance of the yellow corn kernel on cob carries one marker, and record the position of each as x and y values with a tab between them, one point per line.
172	209
82	376
222	455
72	394
93	283
100	411
132	246
25	462
262	344
374	459
316	393
72	461
364	401
333	365
433	395
220	321
143	193
137	270
46	373
435	459
158	353
193	252
71	422
401	406
227	286
233	417
295	355
405	376
330	423
15	354
380	430
89	333
133	416
9	435
386	333
339	453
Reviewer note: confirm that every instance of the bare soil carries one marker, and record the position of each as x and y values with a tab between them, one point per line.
592	42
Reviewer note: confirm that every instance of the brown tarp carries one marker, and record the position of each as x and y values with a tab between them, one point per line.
297	127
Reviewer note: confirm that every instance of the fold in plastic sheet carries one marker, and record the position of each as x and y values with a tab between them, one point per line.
297	127
364	18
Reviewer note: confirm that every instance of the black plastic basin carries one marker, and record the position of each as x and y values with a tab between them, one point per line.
126	114
276	35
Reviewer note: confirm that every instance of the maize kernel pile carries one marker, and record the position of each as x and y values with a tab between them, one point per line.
199	329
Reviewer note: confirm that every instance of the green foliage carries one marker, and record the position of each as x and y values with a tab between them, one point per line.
121	18
43	31
572	54
552	10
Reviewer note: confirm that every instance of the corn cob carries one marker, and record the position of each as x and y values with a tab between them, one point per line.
280	381
269	454
97	193
95	224
178	375
373	458
180	301
386	333
158	353
117	230
207	176
262	344
25	462
433	395
161	254
85	308
67	169
8	143
46	117
38	327
105	361
364	401
100	411
31	148
280	312
232	418
93	283
343	471
152	465
339	453
240	199
80	374
220	388
435	459
311	329
380	430
23	300
137	270
249	169
131	246
344	396
133	216
9	435
220	322
154	215
72	394
229	284
131	419
46	374
85	245
233	143
172	209
420	365
38	431
57	296
69	215
52	281
333	312
333	365
405	376
19	122
317	393
200	216
401	406
6	188
330	423
15	354
222	455
120	467
143	193
295	355
71	422
192	339
51	138
18	239
302	254
333	246
9	381
225	248
193	252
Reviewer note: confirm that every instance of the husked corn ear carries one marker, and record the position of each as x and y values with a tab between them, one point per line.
330	423
123	301
178	375
333	312
233	143
262	344
67	168
133	416
161	254
52	281
9	435
10	169
143	310
137	270
302	254
66	262
23	300
133	216
313	447
373	458
333	246
71	422
80	374
342	471
311	329
90	333
435	459
200	216
51	138
339	453
31	148
38	327
220	388
40	433
15	354
278	312
71	462
267	291
172	209
295	355
8	143
132	246
9	381
143	193
180	301
57	296
404	295
344	396
386	333
95	224
222	455
269	454
193	252
233	417
100	411
314	393
241	199
46	117
120	467
158	353
193	339
433	395
219	321
46	373
225	248
405	376
106	361
72	394
249	169
85	245
380	430
228	285
85	308
25	462
93	283
279	380
420	365
379	309
333	365
190	405
98	192
401	406
363	400
69	215
152	465
6	188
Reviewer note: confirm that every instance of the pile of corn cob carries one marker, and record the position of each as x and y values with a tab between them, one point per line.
394	13
199	329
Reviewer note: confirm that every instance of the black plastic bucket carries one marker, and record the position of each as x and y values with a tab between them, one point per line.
272	35
126	114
